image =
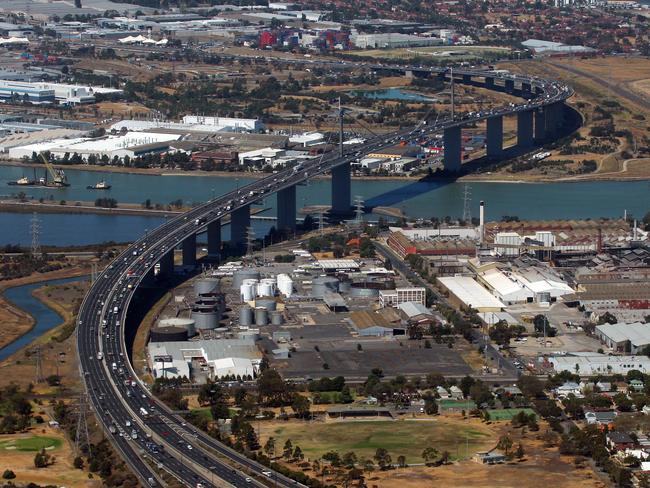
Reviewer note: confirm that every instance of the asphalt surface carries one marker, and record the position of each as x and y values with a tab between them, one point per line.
180	448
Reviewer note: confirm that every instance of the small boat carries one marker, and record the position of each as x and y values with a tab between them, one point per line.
24	181
100	185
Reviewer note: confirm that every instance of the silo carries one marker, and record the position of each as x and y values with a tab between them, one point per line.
267	303
247	292
206	318
240	275
271	282
276	317
265	289
285	285
324	284
204	286
261	316
187	324
246	315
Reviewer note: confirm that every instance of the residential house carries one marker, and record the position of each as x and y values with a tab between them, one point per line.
568	388
619	441
603	419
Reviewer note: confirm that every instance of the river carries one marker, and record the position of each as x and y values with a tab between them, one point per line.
45	317
571	200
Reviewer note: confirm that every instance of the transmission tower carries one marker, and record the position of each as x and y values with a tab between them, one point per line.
358	209
250	241
39	365
467	201
36	233
81	436
321	221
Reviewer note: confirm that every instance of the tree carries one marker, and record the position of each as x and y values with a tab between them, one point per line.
8	474
520	451
269	447
287	451
300	405
383	458
505	444
607	318
78	462
429	454
349	459
401	461
297	454
42	459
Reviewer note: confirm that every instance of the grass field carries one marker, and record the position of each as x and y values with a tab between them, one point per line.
456	405
507	413
35	443
402	437
436	52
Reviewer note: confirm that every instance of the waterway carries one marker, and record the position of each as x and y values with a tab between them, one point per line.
391	94
45	318
571	200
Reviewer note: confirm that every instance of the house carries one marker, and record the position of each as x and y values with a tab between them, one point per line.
443	393
636	385
604	386
568	388
600	418
619	441
491	457
456	393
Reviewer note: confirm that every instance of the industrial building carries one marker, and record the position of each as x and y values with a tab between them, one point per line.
51	92
394	298
192	123
23	90
598	364
212	358
467	292
120	146
391	40
625	338
433	241
374	324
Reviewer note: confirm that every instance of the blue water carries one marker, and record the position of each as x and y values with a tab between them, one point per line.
45	318
576	200
391	94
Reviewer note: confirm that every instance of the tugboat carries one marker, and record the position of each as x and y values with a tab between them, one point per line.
24	181
100	185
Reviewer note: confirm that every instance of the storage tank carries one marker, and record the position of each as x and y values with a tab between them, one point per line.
204	286
276	317
247	292
261	316
267	303
324	284
285	285
344	286
188	324
240	275
252	334
269	281
246	315
363	290
206	318
265	289
168	334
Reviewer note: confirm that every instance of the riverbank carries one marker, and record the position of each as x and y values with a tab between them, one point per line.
17	322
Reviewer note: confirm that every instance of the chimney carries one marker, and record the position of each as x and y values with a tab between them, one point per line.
481	223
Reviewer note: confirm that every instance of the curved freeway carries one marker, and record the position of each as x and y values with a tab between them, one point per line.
123	404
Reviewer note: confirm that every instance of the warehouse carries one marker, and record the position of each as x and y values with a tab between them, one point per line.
625	338
505	287
373	324
25	91
465	291
598	364
208	358
393	298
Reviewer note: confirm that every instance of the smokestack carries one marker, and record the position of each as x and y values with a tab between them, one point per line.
481	221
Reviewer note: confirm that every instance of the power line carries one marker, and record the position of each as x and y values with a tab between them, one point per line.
81	435
467	201
359	205
250	241
36	233
39	365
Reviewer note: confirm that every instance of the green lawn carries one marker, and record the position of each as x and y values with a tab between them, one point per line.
407	438
35	443
507	413
456	405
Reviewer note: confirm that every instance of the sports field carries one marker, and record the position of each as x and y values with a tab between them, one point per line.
35	443
507	413
456	405
408	438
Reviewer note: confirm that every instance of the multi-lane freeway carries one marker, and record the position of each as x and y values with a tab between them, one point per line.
146	433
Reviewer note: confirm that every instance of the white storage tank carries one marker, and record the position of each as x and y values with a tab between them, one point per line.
285	285
247	291
265	289
240	275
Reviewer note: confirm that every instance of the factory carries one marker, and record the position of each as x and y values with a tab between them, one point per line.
391	40
118	146
592	364
53	92
624	338
398	296
192	123
465	291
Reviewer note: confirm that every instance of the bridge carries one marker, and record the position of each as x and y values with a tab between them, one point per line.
163	440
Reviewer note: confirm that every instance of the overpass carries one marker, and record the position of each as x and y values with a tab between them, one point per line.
117	395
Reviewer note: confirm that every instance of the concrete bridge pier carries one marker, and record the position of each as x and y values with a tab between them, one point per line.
214	239
525	128
286	209
167	263
554	118
510	86
540	125
494	129
341	189
489	82
239	223
525	88
452	141
189	250
467	79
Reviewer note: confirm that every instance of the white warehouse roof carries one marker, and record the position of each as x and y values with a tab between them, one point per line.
637	333
468	291
600	364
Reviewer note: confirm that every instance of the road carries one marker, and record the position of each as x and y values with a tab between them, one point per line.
115	392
